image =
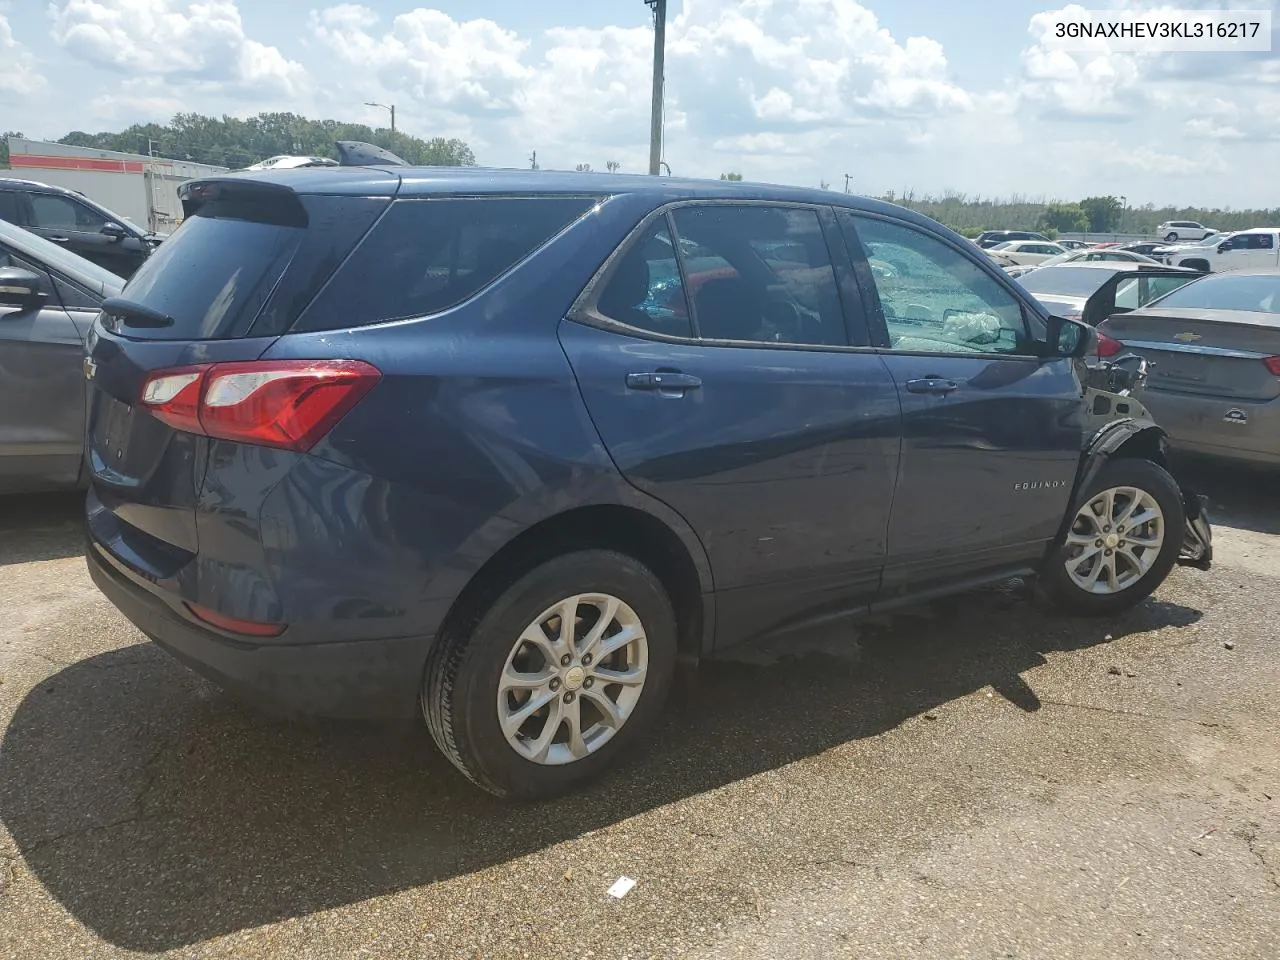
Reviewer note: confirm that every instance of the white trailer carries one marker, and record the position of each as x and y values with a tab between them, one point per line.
138	187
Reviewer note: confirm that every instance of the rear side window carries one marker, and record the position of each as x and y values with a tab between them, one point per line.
426	256
645	290
238	261
760	274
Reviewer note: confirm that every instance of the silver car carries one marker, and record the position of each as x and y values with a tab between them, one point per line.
49	298
1214	348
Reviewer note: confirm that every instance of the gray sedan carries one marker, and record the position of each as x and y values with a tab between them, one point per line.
48	300
1214	345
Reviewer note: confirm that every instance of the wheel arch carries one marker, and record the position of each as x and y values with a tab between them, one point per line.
1133	437
680	565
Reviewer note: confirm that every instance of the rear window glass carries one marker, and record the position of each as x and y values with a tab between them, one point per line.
219	272
426	256
1065	281
1259	293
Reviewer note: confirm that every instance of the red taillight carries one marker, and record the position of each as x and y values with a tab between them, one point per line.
174	397
277	403
249	628
1273	364
1108	347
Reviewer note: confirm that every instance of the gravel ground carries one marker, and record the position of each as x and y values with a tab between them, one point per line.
985	780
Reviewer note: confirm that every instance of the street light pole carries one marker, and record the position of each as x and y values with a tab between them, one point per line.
385	106
659	57
1124	205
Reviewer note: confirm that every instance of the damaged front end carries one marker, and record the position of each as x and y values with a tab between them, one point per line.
1110	399
1197	540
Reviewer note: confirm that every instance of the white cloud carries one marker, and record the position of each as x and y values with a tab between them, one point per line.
735	72
18	75
203	44
471	65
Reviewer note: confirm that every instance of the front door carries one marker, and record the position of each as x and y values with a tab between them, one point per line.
723	383
42	405
991	434
78	227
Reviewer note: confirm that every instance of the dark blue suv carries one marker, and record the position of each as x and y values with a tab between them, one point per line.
505	446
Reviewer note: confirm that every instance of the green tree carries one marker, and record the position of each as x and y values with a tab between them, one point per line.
613	166
4	146
731	176
232	142
1063	218
1103	213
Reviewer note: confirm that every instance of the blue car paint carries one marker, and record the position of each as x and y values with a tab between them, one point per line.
792	477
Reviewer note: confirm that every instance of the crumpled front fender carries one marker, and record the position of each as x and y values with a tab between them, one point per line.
1140	437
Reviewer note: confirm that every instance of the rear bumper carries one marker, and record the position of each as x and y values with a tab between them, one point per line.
1217	426
356	679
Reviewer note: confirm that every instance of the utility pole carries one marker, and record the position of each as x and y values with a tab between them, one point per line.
659	58
385	106
533	160
847	178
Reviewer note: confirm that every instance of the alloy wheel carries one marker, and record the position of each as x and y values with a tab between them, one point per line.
572	679
1114	540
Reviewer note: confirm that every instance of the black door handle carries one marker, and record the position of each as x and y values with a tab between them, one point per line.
935	385
671	380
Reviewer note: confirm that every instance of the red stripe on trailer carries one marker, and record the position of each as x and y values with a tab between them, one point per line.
32	161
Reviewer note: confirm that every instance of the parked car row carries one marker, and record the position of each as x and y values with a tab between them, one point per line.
76	223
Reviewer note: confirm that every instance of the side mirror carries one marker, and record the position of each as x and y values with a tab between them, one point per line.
1069	338
19	288
114	230
1224	246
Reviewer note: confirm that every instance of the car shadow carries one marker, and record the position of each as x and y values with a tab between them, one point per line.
42	527
160	812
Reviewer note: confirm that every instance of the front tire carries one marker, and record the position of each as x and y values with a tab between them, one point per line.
567	668
1170	237
1125	536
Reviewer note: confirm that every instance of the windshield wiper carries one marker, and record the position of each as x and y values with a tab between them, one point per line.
135	314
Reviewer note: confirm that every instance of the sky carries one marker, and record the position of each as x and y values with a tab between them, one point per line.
928	96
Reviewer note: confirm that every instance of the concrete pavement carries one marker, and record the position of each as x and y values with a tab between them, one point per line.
986	780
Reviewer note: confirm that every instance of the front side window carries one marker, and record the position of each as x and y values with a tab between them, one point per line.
61	213
10	258
934	298
759	273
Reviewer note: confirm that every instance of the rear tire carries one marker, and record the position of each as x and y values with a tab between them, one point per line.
479	687
1125	536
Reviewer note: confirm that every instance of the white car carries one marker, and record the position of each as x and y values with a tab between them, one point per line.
1102	255
1013	252
1174	230
1256	249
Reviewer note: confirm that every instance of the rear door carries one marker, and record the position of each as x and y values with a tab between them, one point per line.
991	434
725	383
41	389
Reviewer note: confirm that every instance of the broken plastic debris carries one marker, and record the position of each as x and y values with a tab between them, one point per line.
621	887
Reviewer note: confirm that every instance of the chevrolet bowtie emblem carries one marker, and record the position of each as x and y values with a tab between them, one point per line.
90	368
1187	337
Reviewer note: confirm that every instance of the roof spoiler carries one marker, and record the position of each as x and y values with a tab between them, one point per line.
356	153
